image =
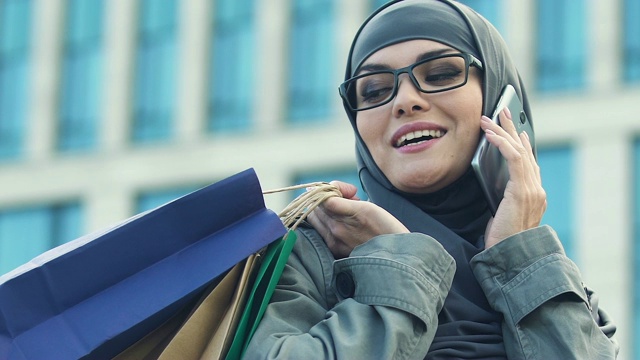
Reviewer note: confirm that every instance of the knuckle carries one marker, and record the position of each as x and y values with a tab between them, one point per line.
522	150
516	157
542	195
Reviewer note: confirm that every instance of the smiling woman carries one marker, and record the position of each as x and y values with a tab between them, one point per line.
423	270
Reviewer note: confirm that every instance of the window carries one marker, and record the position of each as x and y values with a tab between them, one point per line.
311	86
152	199
27	232
347	175
557	168
490	10
154	97
15	34
631	40
560	62
232	76
81	75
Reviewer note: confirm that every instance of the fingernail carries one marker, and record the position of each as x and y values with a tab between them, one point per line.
507	112
484	118
490	132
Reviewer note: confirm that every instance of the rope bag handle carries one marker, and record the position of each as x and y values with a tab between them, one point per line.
298	209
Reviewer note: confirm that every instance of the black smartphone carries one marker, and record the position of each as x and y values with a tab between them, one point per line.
488	163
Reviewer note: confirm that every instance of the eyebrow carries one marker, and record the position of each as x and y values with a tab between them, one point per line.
420	57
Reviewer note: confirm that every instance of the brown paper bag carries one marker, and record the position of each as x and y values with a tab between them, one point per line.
207	330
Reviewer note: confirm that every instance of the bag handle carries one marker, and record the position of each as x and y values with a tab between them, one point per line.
298	209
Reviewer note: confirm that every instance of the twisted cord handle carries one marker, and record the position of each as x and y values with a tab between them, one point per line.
298	209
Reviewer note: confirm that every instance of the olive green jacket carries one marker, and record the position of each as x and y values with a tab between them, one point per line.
382	302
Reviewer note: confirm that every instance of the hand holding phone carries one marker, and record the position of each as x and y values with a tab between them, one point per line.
488	163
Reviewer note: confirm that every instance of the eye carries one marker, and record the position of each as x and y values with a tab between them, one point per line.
443	77
441	72
375	89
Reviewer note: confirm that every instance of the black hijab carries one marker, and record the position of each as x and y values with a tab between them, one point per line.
457	215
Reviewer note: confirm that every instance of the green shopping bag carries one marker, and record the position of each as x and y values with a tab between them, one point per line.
271	267
274	261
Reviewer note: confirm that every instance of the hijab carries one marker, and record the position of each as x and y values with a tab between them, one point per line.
457	215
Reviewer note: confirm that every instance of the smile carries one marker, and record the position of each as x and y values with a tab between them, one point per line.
417	137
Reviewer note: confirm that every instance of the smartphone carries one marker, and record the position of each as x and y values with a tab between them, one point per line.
488	163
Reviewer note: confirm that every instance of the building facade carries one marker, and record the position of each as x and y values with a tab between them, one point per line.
111	107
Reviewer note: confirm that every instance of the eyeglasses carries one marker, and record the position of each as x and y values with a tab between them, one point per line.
432	75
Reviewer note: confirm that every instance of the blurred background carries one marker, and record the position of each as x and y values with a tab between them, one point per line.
112	107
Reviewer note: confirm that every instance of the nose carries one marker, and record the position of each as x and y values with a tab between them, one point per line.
409	99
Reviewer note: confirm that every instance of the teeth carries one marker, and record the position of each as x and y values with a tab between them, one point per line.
418	134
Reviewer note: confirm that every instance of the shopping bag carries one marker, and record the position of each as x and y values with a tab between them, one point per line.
221	325
96	296
207	330
262	289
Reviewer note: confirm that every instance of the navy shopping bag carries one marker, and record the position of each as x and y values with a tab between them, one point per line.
97	295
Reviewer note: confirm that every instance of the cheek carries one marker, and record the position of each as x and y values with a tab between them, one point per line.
472	130
369	129
473	111
468	118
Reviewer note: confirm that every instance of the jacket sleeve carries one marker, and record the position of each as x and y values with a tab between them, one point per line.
381	302
548	313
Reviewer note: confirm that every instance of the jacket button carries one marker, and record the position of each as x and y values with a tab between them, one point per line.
345	285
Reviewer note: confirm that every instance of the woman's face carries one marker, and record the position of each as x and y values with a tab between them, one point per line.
451	117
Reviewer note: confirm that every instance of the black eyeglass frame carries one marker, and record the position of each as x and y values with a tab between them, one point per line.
469	60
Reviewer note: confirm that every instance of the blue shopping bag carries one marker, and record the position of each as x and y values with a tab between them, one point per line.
99	294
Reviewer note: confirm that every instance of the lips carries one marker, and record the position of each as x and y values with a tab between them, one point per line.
414	134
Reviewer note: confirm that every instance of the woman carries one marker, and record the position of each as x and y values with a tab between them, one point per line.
423	270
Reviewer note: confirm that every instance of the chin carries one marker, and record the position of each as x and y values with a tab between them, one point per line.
427	181
417	186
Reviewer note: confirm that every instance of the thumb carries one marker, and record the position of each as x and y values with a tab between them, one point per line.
347	190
